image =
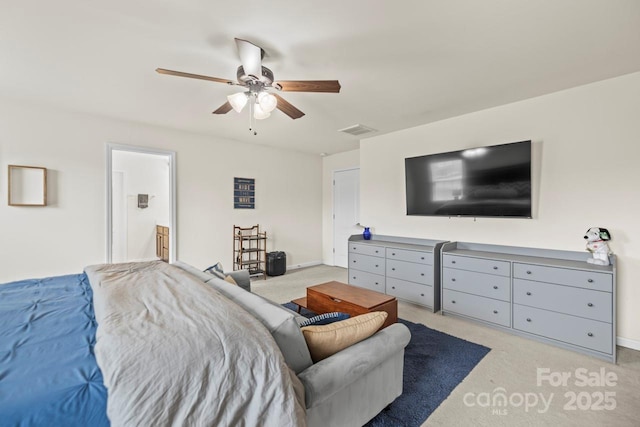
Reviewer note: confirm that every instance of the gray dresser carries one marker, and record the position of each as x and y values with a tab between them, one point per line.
549	295
406	268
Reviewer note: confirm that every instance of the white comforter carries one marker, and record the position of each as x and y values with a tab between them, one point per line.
173	351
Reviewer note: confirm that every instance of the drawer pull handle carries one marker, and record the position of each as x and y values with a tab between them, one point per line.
495	267
495	287
421	295
376	251
354	277
528	319
421	257
590	280
528	272
528	293
336	300
422	274
590	304
453	262
393	253
589	334
453	279
376	265
453	301
354	260
393	287
377	283
393	269
495	311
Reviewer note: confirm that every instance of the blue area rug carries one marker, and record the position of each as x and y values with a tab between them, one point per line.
434	364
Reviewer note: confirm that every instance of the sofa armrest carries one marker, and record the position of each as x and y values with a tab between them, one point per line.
242	278
330	375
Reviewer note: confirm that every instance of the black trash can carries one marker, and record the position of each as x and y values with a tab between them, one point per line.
276	263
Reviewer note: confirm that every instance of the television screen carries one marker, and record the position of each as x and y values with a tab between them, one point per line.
480	182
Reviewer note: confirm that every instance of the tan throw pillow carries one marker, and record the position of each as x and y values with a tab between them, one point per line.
325	340
230	280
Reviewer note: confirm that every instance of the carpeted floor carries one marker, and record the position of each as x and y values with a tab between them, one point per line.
434	364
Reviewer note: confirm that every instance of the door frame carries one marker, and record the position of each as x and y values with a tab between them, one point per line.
333	205
111	147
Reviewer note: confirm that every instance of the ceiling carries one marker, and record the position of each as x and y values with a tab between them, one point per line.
400	64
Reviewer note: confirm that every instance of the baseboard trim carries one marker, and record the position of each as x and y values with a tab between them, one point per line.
303	265
626	342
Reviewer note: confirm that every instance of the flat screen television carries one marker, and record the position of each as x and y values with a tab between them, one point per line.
490	181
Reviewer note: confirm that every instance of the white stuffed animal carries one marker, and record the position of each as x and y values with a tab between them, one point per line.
597	244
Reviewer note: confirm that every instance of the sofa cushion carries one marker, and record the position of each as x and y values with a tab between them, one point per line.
230	279
216	270
324	319
324	341
281	323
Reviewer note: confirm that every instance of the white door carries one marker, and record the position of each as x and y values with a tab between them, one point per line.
346	212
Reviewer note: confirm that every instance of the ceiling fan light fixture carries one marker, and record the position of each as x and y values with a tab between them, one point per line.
238	101
259	113
267	101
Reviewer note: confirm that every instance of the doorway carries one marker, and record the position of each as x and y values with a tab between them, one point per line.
346	212
140	201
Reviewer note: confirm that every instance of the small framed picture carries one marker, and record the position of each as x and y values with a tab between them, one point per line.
244	193
27	186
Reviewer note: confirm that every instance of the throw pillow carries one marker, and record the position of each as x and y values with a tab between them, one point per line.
230	280
324	319
216	270
325	340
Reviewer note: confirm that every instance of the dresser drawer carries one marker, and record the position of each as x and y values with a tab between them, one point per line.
564	276
372	250
586	333
419	273
410	291
487	309
594	305
375	282
410	256
487	285
501	268
366	263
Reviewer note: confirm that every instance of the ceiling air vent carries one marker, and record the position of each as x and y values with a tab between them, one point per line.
357	130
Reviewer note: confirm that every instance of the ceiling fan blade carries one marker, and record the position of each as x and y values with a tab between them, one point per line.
223	109
251	57
287	108
332	86
193	76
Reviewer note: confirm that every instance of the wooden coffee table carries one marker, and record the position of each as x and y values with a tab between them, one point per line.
335	296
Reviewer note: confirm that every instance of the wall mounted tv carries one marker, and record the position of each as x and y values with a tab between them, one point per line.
490	181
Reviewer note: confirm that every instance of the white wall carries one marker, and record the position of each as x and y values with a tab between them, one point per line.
143	174
585	173
70	233
335	162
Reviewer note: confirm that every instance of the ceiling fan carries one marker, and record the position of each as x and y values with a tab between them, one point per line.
259	81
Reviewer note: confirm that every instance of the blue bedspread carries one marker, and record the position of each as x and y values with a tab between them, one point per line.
48	373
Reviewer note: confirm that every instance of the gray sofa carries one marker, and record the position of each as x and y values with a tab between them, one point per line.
346	389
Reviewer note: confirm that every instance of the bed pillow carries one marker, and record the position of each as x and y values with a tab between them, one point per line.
324	319
326	340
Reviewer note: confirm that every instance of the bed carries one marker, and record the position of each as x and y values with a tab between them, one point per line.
167	347
48	373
